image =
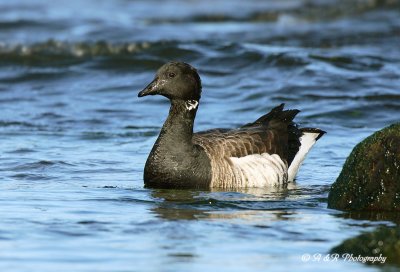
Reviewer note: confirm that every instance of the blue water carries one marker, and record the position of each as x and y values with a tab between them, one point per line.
74	137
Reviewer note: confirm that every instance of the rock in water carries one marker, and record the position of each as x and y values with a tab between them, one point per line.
382	246
370	178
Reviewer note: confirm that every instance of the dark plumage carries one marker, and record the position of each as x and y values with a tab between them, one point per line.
265	152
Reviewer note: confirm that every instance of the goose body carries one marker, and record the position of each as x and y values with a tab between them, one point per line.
263	153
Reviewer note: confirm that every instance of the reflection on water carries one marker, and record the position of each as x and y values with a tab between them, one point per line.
275	203
373	216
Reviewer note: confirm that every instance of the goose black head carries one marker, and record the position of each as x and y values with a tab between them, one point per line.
176	81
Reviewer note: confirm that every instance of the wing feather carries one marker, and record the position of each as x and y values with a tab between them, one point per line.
242	142
272	133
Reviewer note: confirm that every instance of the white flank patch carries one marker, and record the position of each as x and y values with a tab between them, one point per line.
306	142
191	104
260	170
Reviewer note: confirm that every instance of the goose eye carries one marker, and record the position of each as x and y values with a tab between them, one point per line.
171	75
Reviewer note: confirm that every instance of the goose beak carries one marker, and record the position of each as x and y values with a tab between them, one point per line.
151	89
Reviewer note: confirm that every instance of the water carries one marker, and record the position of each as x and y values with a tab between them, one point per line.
74	137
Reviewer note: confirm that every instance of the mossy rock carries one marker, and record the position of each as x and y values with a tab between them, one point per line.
384	242
370	178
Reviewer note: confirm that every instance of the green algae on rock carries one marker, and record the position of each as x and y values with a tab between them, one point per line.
370	178
381	246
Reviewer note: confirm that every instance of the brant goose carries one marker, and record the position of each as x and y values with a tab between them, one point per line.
266	152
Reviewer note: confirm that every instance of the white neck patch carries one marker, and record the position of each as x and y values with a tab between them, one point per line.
191	104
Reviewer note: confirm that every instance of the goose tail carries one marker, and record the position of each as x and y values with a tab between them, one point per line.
308	138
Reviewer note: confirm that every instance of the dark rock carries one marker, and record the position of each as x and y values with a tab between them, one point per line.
370	178
384	242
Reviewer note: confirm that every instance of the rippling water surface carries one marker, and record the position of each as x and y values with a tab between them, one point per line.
74	137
